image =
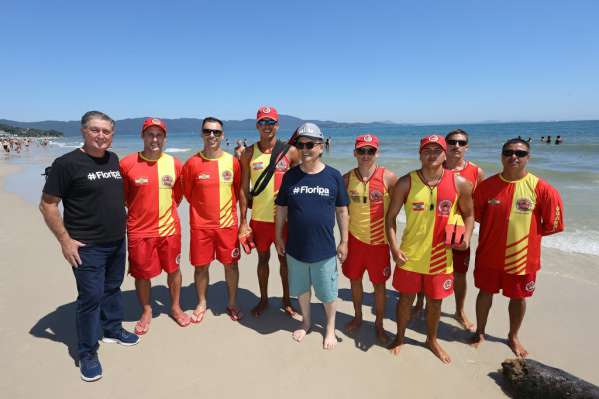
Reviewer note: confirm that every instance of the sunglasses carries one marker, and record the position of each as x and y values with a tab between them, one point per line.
365	151
462	143
208	132
307	145
518	153
267	122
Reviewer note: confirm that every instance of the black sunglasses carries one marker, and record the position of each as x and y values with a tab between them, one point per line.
267	122
307	145
216	133
365	151
518	153
462	143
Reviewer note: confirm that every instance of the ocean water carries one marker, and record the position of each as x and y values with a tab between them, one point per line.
573	167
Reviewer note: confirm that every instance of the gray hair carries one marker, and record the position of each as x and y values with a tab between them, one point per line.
89	115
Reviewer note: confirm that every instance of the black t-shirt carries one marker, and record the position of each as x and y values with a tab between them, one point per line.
92	194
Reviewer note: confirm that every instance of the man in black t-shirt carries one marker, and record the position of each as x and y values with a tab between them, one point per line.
91	236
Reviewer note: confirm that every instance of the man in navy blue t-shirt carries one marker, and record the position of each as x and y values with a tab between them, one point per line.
310	197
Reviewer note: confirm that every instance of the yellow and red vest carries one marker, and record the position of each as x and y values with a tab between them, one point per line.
263	207
428	211
368	204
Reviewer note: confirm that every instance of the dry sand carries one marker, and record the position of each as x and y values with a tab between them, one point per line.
257	357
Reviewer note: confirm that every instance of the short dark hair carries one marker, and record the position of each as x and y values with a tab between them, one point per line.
456	131
515	140
89	115
212	119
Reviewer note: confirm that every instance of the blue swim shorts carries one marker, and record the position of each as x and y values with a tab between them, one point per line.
322	275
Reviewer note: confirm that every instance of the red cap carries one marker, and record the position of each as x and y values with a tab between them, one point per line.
435	139
266	112
367	139
154	122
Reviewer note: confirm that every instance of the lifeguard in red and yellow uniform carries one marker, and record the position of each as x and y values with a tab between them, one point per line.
368	187
457	146
515	210
211	183
431	197
152	193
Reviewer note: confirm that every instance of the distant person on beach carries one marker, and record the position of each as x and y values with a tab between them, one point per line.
548	141
542	139
255	161
457	145
558	140
515	210
312	194
327	144
6	146
152	181
211	184
92	236
368	187
432	196
239	148
529	140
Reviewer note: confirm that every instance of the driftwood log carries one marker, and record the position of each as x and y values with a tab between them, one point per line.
531	380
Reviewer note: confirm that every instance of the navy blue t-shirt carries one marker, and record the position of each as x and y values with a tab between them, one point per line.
311	200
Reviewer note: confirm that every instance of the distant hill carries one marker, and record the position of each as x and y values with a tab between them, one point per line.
133	125
27	131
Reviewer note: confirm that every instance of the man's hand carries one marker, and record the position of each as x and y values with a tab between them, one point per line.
342	251
70	251
280	245
462	246
244	229
399	257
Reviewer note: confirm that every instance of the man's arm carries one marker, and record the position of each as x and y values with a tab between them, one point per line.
343	223
390	179
244	192
293	156
70	248
398	197
280	218
466	206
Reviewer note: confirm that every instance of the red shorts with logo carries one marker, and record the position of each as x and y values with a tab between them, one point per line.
434	286
461	260
511	285
264	234
209	244
148	256
362	256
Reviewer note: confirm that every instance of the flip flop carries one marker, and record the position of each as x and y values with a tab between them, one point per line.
182	321
234	314
196	318
141	328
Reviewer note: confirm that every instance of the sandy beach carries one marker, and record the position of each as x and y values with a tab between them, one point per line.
257	357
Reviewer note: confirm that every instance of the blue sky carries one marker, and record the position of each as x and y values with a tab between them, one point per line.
404	61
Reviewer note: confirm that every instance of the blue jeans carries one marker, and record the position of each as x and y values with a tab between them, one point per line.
99	300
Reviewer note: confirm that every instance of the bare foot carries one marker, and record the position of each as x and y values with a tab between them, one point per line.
300	333
198	315
286	306
395	346
464	321
438	351
354	324
477	339
381	334
259	308
516	347
330	340
143	324
180	317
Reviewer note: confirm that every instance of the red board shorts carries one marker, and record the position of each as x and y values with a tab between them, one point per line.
264	234
148	256
209	244
511	285
362	257
435	286
461	260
